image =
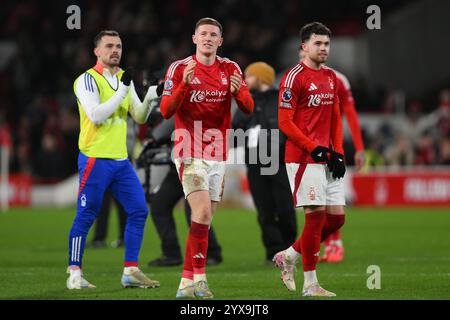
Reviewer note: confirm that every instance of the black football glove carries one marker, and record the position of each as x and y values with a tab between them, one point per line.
337	165
160	89
127	76
320	154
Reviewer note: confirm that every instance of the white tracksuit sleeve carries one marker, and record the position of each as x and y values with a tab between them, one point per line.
87	93
138	110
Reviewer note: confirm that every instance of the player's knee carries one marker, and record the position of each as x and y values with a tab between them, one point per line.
202	214
84	221
138	213
136	220
142	212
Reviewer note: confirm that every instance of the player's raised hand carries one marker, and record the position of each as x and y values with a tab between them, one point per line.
236	81
127	76
188	72
360	159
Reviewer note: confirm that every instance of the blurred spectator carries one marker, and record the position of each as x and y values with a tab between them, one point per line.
444	151
438	121
425	151
444	112
5	133
48	164
22	160
373	152
401	153
413	116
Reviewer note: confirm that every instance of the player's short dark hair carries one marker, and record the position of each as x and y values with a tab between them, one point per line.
103	33
207	20
313	27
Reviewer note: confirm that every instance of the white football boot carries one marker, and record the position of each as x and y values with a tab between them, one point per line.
287	269
76	280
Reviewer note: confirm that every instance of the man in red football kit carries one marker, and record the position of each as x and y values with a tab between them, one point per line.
309	116
198	91
334	248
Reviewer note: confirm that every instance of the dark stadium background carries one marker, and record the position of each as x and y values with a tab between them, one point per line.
41	58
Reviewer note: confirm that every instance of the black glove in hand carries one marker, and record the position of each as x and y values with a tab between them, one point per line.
320	154
337	165
127	76
160	89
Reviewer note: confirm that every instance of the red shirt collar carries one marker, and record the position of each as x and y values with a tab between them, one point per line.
203	65
314	70
98	67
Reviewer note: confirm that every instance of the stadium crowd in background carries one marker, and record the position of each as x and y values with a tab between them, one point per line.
38	108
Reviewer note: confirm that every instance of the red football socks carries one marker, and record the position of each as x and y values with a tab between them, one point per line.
188	271
332	225
198	237
335	235
308	244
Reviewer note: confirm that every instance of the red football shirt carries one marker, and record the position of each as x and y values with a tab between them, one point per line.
203	105
309	112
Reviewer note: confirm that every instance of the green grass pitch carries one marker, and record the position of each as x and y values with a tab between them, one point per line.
411	247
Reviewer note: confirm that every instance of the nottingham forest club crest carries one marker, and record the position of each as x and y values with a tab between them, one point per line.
330	80
223	78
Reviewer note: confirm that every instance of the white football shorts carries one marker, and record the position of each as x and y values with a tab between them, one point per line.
313	185
200	174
